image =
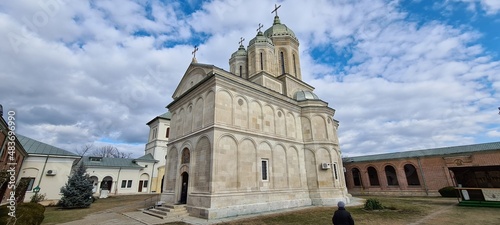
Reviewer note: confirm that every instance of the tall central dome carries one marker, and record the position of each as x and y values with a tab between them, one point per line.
279	29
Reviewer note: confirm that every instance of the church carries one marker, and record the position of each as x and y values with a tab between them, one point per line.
254	138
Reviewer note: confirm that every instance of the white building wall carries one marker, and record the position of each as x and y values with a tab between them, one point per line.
50	185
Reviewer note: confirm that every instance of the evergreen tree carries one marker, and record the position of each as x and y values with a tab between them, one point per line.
77	193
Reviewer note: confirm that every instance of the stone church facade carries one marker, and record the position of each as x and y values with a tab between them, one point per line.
252	139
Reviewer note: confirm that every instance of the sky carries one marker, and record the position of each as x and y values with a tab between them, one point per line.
401	75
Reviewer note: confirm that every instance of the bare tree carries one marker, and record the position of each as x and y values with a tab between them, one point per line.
110	152
83	150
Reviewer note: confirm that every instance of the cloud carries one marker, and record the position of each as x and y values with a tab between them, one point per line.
78	72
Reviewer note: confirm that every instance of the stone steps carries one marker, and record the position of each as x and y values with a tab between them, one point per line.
167	211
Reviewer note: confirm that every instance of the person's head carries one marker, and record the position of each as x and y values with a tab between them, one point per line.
341	204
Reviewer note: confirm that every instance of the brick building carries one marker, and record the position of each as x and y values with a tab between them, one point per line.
6	162
424	172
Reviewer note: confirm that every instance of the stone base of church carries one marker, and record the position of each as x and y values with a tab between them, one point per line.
224	205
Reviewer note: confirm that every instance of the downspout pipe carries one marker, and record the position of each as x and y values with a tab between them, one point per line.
423	176
43	171
117	180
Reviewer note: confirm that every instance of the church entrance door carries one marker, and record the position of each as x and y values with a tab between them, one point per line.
184	188
140	186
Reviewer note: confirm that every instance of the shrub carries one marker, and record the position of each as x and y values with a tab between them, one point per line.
373	204
448	192
36	198
26	214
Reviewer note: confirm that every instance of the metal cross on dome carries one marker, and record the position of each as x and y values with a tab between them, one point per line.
276	7
194	51
241	40
260	26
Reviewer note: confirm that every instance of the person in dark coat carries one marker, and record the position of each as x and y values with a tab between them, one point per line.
342	216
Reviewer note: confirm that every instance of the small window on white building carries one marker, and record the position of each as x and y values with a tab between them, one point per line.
145	184
129	184
30	181
265	169
124	183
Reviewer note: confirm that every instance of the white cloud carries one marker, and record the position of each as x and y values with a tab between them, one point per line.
82	75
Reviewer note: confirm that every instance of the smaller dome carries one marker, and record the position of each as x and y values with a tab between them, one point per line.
304	95
241	52
260	38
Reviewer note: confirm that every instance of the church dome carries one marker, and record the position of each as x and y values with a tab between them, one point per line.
240	52
279	29
260	38
305	95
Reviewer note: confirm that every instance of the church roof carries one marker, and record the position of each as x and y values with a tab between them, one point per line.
95	161
260	38
146	158
36	147
428	152
240	52
305	95
166	116
279	29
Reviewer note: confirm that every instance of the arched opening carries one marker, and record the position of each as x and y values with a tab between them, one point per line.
373	176
185	156
356	176
184	188
107	183
294	66
95	181
143	183
162	180
411	175
282	62
390	174
261	61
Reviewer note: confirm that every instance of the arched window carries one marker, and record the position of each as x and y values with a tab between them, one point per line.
356	176
372	174
261	62
185	156
282	57
241	71
411	175
390	174
294	66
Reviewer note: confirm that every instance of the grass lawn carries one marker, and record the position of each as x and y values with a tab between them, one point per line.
120	203
408	210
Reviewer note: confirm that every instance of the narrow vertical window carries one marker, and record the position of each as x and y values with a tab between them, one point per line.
241	71
294	66
261	62
264	169
282	63
168	132
335	171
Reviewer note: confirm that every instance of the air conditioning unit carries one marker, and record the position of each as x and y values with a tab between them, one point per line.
325	166
51	172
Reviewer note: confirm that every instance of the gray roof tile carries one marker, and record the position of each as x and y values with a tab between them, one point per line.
110	162
36	147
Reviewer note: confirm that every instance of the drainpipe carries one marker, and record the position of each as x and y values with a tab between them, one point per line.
117	180
423	176
43	171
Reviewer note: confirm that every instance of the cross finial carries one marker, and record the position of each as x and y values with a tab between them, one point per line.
241	40
276	7
194	51
260	26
